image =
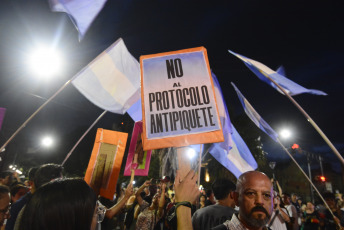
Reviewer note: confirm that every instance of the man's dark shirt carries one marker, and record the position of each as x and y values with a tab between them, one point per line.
297	206
15	209
207	203
211	216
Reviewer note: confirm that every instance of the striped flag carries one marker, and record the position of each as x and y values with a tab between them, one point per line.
233	152
112	80
254	116
81	12
262	71
238	159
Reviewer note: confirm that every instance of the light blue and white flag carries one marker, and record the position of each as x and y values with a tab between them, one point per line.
81	12
224	118
135	111
255	117
112	80
233	152
238	159
262	71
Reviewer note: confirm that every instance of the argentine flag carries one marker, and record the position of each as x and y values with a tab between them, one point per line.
262	71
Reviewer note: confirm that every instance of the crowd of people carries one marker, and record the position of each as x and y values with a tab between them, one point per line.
47	200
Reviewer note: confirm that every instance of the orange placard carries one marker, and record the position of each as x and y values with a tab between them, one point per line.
178	100
105	162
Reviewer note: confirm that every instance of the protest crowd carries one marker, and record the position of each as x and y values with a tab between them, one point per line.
48	200
176	102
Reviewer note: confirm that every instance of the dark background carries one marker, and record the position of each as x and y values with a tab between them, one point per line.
304	36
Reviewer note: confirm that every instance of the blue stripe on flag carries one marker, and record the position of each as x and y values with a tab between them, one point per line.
112	80
261	71
235	159
254	116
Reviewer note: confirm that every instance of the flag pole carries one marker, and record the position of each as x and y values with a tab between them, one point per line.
199	165
308	119
309	180
133	169
82	137
34	114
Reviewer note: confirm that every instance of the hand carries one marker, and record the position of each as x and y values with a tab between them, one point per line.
129	191
186	189
147	183
163	186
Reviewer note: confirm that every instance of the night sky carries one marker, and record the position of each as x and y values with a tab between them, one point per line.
304	36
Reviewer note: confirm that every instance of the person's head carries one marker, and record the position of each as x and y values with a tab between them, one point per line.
6	178
299	201
254	197
4	203
61	204
277	200
330	199
202	198
223	190
209	193
18	191
152	190
47	173
293	197
286	198
310	206
31	177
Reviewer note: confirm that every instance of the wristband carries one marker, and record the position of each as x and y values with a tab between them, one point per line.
184	203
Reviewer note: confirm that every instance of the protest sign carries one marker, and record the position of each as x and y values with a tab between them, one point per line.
105	162
178	100
141	167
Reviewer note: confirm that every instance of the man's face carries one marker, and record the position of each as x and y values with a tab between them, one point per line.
4	208
293	198
310	206
286	199
255	200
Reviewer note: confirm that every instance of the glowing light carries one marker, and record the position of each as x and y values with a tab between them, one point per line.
295	146
134	182
207	177
285	133
191	153
47	141
11	166
45	62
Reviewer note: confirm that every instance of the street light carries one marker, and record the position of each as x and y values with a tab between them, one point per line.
45	61
285	133
47	141
191	153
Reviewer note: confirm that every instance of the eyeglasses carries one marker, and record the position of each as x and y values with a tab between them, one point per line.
101	210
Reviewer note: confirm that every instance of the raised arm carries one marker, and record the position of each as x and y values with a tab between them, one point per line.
186	191
162	200
138	192
111	212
